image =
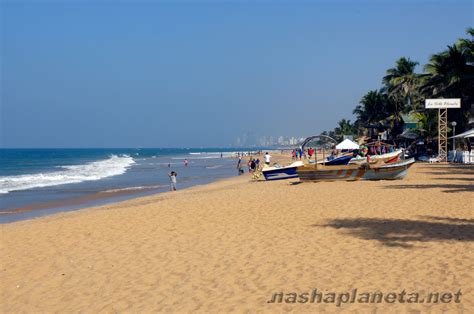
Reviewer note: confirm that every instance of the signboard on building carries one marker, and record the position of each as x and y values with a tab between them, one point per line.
440	103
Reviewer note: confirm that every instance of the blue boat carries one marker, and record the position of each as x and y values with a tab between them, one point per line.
282	172
338	161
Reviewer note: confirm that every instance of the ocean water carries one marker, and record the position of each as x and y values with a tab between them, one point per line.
36	182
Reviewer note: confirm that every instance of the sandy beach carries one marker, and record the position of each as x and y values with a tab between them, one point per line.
230	245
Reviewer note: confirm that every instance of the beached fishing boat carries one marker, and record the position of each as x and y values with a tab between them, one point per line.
338	161
386	158
282	172
354	172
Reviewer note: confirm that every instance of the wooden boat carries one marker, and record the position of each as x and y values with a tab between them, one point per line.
282	172
385	158
354	172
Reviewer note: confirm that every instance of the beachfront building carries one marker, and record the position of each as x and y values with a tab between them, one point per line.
411	121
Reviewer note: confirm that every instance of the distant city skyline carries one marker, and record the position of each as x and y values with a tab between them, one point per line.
108	74
251	140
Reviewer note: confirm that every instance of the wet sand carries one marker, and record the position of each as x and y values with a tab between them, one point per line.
229	245
76	201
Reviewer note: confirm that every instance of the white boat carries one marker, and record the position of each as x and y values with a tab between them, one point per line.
387	158
277	172
392	171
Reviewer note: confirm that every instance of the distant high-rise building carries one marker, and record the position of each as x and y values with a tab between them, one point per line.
281	140
270	141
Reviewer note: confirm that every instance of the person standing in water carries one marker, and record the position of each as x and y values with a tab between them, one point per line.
239	166
185	162
172	176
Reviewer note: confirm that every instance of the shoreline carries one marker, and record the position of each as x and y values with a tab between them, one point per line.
100	197
110	197
130	202
230	245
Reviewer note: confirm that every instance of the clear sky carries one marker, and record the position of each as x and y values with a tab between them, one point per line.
201	73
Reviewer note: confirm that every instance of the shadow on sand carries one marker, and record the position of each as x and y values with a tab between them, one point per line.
449	169
448	188
295	183
439	173
457	179
406	233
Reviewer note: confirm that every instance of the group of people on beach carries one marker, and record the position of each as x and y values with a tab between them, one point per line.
299	154
253	164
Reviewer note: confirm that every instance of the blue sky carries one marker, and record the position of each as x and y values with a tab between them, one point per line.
201	73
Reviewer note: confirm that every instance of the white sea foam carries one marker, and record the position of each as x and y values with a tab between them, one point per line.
136	188
192	158
113	166
214	167
208	155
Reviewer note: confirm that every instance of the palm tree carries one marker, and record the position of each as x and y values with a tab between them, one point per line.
428	124
467	45
402	85
345	127
451	74
371	110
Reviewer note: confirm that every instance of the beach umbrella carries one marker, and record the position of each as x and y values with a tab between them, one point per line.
347	144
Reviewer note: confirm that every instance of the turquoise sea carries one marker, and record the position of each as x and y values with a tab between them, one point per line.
36	182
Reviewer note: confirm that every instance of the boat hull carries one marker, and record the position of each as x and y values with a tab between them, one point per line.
339	161
393	171
282	173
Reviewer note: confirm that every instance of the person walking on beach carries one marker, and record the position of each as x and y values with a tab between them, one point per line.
252	165
172	176
257	164
185	162
267	158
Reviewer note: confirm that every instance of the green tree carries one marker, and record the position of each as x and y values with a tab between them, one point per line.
402	85
428	124
345	127
370	111
467	45
451	75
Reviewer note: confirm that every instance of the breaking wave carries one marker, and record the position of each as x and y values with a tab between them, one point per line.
93	171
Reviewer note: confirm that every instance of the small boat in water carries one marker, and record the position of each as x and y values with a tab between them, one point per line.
282	172
354	172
